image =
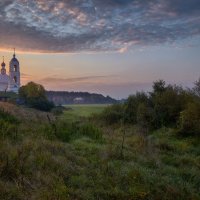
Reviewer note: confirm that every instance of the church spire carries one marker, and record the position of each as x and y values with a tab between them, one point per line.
3	63
14	53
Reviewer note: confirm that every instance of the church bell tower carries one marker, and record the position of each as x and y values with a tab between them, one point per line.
14	75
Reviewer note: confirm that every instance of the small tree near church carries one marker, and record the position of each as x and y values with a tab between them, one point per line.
34	96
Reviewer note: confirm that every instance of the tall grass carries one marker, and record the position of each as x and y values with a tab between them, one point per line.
80	160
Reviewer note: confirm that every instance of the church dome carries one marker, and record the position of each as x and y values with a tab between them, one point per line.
3	64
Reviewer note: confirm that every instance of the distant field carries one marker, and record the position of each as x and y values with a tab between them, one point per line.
83	110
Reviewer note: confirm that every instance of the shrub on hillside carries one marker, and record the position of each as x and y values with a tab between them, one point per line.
166	106
131	106
41	104
189	120
144	116
113	114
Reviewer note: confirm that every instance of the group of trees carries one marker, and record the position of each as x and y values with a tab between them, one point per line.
165	106
34	95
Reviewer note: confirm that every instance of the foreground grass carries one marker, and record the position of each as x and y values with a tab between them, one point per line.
36	163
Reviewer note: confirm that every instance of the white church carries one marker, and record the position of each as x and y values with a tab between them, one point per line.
10	82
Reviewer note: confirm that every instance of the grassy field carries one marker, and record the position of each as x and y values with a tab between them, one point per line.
84	161
82	110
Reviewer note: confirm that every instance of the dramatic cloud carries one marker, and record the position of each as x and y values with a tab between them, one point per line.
95	25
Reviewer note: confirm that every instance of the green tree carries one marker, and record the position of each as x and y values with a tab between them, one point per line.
167	105
131	106
32	90
159	86
34	96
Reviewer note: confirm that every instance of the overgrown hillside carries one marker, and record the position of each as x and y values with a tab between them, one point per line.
84	159
147	148
24	113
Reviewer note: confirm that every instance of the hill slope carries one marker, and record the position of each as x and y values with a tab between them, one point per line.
24	113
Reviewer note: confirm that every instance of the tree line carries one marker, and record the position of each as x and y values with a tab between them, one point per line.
166	106
64	97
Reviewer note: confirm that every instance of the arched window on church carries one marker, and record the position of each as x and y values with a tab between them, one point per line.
15	68
15	79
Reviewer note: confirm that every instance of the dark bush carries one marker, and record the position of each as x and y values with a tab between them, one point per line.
131	106
57	111
189	120
113	114
40	104
166	107
144	116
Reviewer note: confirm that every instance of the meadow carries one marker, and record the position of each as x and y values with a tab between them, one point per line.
75	111
88	159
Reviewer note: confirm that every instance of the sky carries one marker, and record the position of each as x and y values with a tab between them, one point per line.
113	47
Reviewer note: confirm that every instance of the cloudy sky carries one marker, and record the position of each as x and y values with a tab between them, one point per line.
114	47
